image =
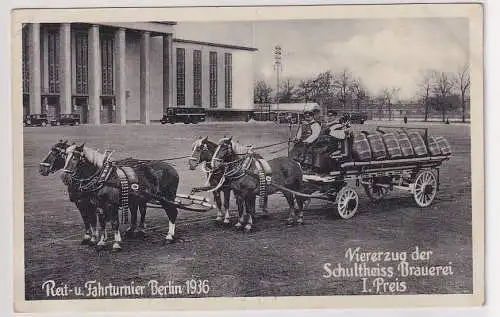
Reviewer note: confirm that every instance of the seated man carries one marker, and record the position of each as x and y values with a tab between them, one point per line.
307	134
339	131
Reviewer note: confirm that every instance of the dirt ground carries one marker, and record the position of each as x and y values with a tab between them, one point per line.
274	260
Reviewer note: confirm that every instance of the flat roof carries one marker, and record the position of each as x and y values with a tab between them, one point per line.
165	22
234	47
294	107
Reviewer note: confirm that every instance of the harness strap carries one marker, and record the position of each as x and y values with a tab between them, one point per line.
124	193
265	177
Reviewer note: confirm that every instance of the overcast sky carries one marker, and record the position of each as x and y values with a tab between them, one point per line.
383	52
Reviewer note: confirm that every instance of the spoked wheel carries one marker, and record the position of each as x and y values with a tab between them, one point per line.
347	202
375	192
425	188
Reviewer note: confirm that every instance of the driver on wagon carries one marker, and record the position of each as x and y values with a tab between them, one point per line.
339	130
307	134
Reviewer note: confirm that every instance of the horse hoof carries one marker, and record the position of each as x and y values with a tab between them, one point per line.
116	247
300	221
227	221
290	222
218	219
93	242
238	226
248	228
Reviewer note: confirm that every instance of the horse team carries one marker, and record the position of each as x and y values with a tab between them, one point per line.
94	186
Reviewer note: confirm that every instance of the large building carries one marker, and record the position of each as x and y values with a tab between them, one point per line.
131	72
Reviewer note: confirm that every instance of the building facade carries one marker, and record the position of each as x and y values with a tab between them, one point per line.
130	72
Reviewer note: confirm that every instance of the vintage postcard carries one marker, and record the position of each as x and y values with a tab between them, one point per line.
211	158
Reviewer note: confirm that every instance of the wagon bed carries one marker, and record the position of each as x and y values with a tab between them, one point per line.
417	175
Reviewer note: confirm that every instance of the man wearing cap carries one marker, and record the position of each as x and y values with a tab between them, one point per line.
338	130
307	134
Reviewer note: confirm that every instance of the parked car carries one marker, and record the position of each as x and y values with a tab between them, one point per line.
184	114
357	117
35	120
66	119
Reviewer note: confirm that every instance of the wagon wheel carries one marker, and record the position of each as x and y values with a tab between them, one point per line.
375	192
425	188
347	202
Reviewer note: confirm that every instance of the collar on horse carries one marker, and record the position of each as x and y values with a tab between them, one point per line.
96	181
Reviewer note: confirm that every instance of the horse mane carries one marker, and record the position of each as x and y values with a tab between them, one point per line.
93	156
238	148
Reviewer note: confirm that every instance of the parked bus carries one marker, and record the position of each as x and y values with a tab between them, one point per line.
184	114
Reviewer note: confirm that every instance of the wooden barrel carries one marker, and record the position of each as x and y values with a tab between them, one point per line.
361	148
377	146
405	144
392	146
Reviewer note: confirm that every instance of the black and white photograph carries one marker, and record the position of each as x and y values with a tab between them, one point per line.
324	154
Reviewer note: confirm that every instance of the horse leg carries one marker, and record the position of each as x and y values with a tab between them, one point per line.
250	209
241	212
219	205
101	234
130	233
300	204
140	232
115	224
227	196
264	207
172	217
84	212
92	216
291	204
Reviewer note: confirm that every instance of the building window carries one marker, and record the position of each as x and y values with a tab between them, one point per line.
213	79
197	78
228	80
107	52
181	75
82	63
53	63
26	61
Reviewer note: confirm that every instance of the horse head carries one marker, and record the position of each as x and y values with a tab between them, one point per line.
55	159
200	153
224	152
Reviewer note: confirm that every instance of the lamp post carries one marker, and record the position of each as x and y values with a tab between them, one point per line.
278	68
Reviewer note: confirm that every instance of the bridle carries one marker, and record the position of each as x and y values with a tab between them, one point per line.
58	152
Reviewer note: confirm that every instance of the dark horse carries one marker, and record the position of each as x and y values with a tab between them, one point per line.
240	168
157	181
53	162
203	150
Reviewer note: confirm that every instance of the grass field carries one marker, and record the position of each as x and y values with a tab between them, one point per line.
274	260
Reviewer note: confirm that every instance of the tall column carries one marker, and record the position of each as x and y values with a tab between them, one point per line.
121	81
65	69
144	78
168	72
35	70
94	75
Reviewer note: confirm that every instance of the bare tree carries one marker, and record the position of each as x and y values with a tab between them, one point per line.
390	95
442	88
262	92
342	84
287	91
359	93
425	90
462	82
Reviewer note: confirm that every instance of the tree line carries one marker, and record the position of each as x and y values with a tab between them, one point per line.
438	91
